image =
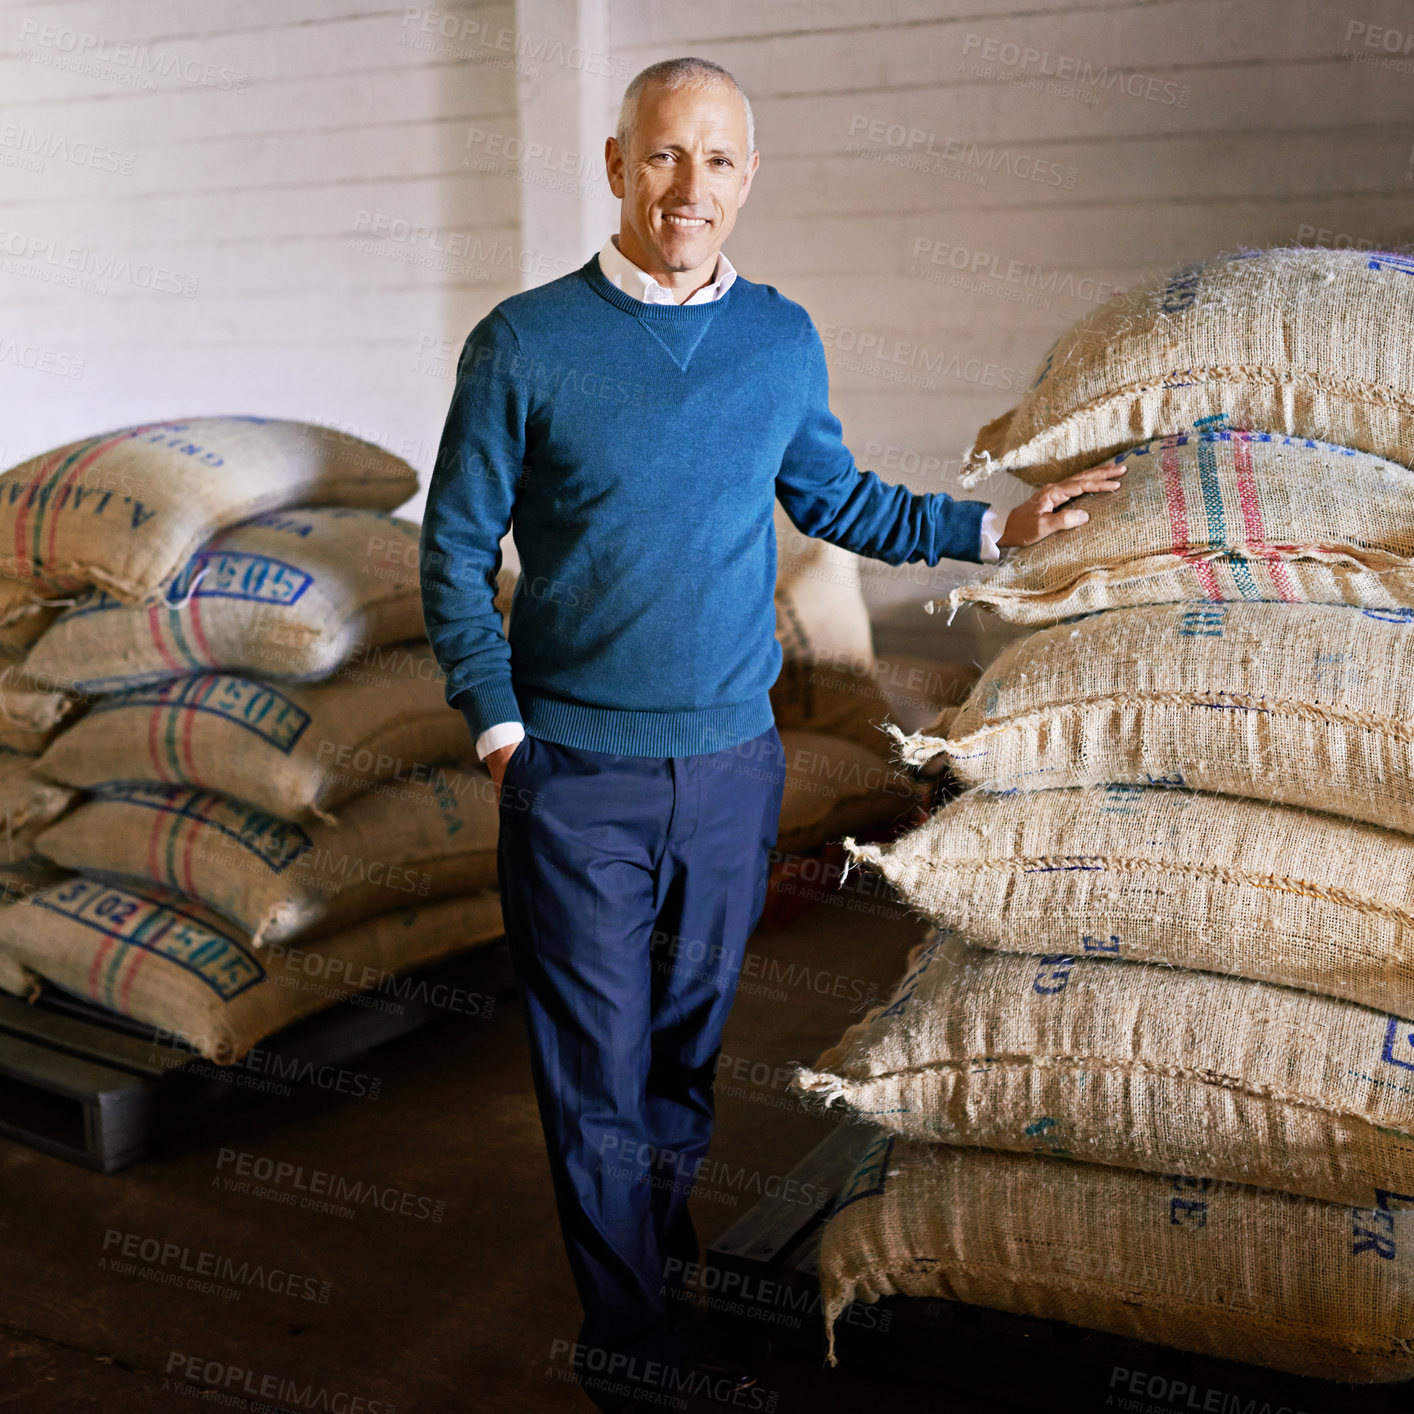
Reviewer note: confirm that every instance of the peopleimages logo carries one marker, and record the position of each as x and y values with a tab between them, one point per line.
1070	68
1179	1395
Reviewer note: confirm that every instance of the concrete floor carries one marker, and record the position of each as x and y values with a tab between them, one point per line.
462	1314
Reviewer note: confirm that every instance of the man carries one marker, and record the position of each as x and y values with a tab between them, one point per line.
637	419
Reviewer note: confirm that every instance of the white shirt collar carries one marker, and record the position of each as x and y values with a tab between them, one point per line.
619	270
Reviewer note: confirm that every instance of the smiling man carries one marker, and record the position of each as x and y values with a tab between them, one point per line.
636	420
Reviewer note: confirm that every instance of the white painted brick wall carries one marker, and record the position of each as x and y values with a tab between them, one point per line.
261	138
254	180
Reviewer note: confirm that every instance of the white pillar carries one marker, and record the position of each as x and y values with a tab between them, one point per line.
566	103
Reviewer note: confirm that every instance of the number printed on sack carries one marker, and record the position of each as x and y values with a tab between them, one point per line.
1184	1211
1053	975
1372	1229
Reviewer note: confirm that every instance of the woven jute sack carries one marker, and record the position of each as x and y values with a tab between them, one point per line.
821	616
28	799
824	700
1312	343
1220	1269
17	979
179	967
1305	704
835	788
1221	516
295	751
827	681
399	843
1161	875
288	595
30	709
25	612
1144	1067
126	509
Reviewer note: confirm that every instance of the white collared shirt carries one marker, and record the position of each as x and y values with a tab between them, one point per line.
621	272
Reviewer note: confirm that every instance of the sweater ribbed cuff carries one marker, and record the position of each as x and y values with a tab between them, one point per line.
488	704
958	533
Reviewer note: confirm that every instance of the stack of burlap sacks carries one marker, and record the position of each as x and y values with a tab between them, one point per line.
1153	1070
225	739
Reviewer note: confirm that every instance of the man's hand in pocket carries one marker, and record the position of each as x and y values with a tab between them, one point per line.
496	762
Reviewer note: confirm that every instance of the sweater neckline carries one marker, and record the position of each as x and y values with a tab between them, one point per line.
642	309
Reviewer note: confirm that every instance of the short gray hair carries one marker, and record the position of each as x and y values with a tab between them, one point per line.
679	73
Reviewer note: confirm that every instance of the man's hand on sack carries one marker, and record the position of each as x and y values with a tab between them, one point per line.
1039	516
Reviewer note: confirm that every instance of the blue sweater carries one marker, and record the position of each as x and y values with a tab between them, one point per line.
640	449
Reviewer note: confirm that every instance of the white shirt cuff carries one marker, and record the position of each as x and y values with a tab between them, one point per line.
493	738
992	527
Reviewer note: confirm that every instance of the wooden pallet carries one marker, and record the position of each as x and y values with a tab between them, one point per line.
762	1278
100	1090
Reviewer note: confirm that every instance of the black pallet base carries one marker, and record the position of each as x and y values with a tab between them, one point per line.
102	1090
761	1278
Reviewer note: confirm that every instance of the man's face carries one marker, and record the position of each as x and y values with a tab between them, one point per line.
684	179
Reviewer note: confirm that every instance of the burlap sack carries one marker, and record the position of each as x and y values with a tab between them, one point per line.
1143	1067
826	682
1305	704
29	709
399	844
125	510
828	701
1222	516
1313	343
1172	876
294	751
1220	1269
17	979
29	712
174	965
287	595
27	799
25	612
836	788
821	616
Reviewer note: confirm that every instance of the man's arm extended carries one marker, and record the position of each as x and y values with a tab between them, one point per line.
827	496
469	506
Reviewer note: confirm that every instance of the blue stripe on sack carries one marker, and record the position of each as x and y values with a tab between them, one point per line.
1208	479
1212	491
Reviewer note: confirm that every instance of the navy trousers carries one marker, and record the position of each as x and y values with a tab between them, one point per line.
629	888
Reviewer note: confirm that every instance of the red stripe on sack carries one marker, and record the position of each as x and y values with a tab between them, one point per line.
1247	490
1281	577
198	819
199	633
140	956
186	724
21	517
136	958
154	749
1208	580
95	968
154	624
74	471
154	857
1173	495
1252	520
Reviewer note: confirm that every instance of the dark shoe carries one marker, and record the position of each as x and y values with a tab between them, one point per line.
716	1374
705	1346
